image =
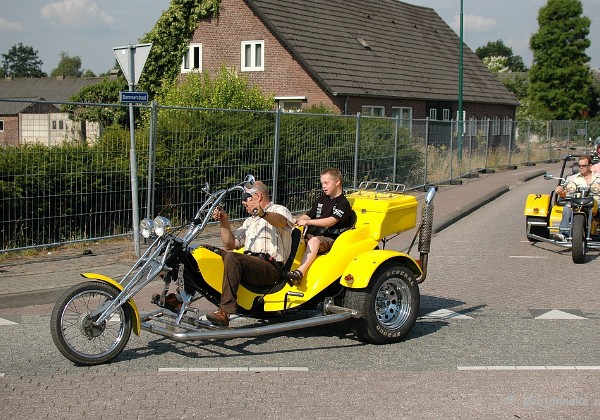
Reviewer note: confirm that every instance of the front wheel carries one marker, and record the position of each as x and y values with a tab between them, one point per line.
579	234
389	306
76	335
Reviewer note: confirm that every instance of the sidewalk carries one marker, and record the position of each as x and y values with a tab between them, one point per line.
40	279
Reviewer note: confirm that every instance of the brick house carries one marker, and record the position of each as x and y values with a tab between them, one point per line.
383	58
38	121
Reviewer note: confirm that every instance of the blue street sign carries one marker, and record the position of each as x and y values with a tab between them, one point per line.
128	97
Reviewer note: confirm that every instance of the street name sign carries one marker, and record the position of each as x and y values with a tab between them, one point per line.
129	97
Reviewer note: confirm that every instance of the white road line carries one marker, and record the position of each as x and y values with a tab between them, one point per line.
237	369
528	367
6	322
445	314
2	375
530	257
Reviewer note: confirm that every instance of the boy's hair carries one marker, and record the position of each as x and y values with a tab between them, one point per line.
334	172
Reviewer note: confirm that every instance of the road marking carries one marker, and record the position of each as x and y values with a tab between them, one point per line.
445	314
531	257
6	322
487	368
2	375
557	314
237	369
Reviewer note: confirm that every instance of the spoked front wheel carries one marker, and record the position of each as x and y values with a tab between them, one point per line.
76	334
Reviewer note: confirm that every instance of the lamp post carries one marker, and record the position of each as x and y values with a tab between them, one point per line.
460	87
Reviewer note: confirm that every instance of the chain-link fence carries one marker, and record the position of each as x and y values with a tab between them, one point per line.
78	186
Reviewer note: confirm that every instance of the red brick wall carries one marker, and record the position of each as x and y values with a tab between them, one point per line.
221	39
10	135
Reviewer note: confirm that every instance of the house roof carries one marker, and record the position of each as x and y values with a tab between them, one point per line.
50	88
383	48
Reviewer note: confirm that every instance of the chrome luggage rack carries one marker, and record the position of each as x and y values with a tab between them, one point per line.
381	186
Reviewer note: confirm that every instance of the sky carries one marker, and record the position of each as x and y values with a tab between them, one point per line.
91	29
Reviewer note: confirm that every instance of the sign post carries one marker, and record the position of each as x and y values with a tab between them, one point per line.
132	59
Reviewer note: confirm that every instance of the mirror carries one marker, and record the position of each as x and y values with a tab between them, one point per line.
249	181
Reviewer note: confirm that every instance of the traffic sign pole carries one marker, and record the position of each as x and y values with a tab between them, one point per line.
127	61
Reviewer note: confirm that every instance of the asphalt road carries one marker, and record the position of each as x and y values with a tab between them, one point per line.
507	329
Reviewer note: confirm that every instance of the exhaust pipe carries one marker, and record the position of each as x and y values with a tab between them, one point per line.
425	232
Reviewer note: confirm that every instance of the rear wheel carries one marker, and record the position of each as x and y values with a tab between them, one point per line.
73	329
532	227
579	245
388	306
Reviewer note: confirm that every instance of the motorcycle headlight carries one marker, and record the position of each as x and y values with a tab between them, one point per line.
161	225
571	187
595	188
146	227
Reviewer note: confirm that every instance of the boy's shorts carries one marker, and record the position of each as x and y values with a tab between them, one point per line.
325	242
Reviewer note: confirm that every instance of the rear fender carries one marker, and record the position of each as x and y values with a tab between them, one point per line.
135	315
537	205
359	272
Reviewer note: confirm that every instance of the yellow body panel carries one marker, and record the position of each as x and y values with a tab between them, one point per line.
324	271
385	213
537	205
133	308
362	267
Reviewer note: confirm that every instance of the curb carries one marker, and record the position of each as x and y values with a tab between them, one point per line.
532	175
470	208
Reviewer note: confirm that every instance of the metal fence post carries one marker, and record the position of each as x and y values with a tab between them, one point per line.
357	140
426	149
152	159
510	138
276	155
397	126
487	143
452	150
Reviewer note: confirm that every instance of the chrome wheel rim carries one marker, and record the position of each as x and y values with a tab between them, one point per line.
392	304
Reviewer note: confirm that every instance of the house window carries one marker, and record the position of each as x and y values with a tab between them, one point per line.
433	114
446	114
253	55
472	126
54	124
61	125
404	114
496	126
373	111
192	59
506	125
1	125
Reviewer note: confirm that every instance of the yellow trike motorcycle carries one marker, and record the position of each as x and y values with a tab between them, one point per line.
357	280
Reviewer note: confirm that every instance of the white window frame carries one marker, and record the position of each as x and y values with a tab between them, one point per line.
373	111
432	113
257	59
290	103
472	125
506	125
496	125
193	55
446	114
406	115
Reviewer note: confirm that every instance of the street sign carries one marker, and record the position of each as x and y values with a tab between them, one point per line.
124	56
128	97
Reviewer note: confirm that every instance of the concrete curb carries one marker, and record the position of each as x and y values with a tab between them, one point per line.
469	208
532	175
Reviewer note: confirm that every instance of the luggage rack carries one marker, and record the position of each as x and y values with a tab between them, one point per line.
380	186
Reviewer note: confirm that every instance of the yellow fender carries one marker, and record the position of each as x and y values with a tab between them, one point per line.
135	314
359	272
537	205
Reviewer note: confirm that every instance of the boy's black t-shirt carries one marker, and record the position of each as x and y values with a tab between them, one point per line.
338	207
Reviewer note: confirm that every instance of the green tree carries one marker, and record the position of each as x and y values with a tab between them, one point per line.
499	49
68	66
22	61
560	81
170	37
226	90
106	92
